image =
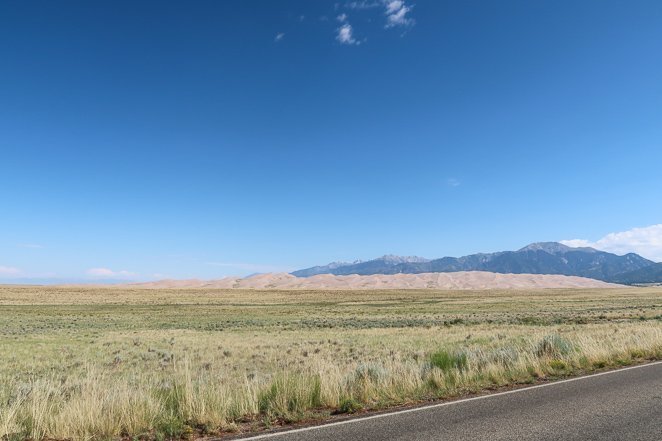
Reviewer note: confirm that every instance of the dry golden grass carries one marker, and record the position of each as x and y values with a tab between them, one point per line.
108	363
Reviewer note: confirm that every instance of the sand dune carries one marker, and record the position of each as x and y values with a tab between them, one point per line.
457	280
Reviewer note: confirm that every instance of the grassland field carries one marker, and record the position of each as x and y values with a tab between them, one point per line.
120	363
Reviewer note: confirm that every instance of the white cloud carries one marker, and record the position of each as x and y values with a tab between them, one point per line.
364	4
577	243
30	245
106	272
279	36
452	182
9	271
345	35
396	14
394	6
645	241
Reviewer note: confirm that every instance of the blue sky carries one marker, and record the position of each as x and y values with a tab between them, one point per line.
200	139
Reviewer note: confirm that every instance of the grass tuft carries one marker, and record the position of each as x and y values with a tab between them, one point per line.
553	346
447	361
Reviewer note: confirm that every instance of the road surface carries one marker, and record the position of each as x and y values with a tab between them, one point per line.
618	405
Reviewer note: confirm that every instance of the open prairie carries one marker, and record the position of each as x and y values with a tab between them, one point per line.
109	363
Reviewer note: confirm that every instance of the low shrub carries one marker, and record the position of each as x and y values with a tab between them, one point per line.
553	346
370	372
558	365
349	405
171	427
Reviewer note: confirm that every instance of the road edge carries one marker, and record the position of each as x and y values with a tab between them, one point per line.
386	413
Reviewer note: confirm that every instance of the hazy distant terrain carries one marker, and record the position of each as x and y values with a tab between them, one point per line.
536	258
456	280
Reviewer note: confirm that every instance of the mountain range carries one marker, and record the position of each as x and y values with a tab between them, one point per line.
650	275
536	258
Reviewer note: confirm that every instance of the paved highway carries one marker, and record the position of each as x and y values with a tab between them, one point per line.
617	405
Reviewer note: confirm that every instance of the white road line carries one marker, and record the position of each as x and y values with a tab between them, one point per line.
447	403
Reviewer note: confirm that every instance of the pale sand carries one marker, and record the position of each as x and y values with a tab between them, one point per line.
457	280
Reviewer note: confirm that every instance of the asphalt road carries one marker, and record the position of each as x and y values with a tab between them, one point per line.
618	405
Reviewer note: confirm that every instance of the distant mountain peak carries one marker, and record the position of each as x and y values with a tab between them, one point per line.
548	247
555	248
338	263
394	259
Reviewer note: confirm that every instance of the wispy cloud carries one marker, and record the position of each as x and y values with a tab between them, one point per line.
645	241
397	14
9	271
279	36
345	35
452	182
365	4
107	272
